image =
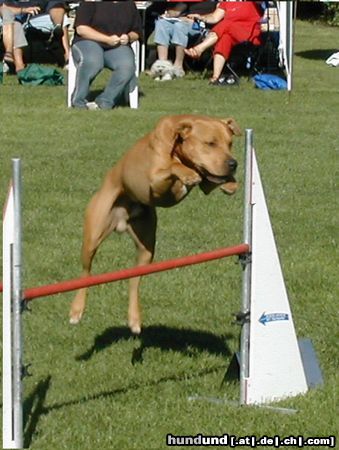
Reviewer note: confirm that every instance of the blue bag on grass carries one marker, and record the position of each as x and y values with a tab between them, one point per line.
267	81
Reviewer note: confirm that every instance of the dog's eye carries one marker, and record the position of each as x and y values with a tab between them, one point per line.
211	143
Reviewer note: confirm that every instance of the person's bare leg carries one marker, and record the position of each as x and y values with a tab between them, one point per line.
179	56
65	43
8	39
196	51
179	61
7	36
57	17
162	52
218	65
18	59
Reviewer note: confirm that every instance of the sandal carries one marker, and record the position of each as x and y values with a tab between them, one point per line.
9	61
192	53
213	81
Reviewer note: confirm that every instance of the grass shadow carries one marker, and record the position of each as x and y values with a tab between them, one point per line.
316	54
134	387
33	409
122	101
188	342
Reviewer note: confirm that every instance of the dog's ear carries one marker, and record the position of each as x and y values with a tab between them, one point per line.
184	129
163	138
233	126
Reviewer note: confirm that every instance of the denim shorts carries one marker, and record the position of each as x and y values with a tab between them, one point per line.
173	31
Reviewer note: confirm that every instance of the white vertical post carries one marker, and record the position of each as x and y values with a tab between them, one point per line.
7	389
17	306
246	283
134	95
286	27
12	296
71	79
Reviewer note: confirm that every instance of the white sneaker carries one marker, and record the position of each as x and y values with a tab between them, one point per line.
92	106
5	68
167	77
178	72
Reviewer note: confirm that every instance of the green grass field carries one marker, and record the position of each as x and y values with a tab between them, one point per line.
85	392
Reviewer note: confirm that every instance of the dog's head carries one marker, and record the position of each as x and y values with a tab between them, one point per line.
159	68
205	145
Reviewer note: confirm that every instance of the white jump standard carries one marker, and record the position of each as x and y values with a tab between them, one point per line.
11	316
271	361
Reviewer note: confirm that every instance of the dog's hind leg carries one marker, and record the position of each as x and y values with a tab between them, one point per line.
99	223
142	229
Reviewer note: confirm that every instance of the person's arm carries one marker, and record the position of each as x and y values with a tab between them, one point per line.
211	18
88	32
24	10
129	38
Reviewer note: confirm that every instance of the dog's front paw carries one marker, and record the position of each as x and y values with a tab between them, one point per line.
77	307
134	326
190	178
75	317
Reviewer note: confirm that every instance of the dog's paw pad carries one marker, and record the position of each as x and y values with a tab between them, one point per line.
135	328
75	319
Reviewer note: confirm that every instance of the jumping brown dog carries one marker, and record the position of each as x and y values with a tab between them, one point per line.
159	170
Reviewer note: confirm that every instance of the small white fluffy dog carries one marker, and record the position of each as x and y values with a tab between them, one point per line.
162	70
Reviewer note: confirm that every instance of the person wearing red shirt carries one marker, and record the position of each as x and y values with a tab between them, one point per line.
236	22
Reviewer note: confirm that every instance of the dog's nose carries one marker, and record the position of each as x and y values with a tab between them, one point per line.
232	164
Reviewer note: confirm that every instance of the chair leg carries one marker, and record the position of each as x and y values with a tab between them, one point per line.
236	76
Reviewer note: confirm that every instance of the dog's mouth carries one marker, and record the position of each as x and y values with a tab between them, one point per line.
216	179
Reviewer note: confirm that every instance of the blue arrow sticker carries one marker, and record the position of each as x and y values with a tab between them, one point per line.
273	317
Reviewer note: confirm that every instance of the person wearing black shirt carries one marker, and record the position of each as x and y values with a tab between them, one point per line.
103	34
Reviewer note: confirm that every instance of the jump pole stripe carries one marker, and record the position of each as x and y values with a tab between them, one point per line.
93	280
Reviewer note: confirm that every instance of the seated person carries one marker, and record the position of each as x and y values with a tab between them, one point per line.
57	10
54	22
152	12
103	34
236	22
14	39
175	27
